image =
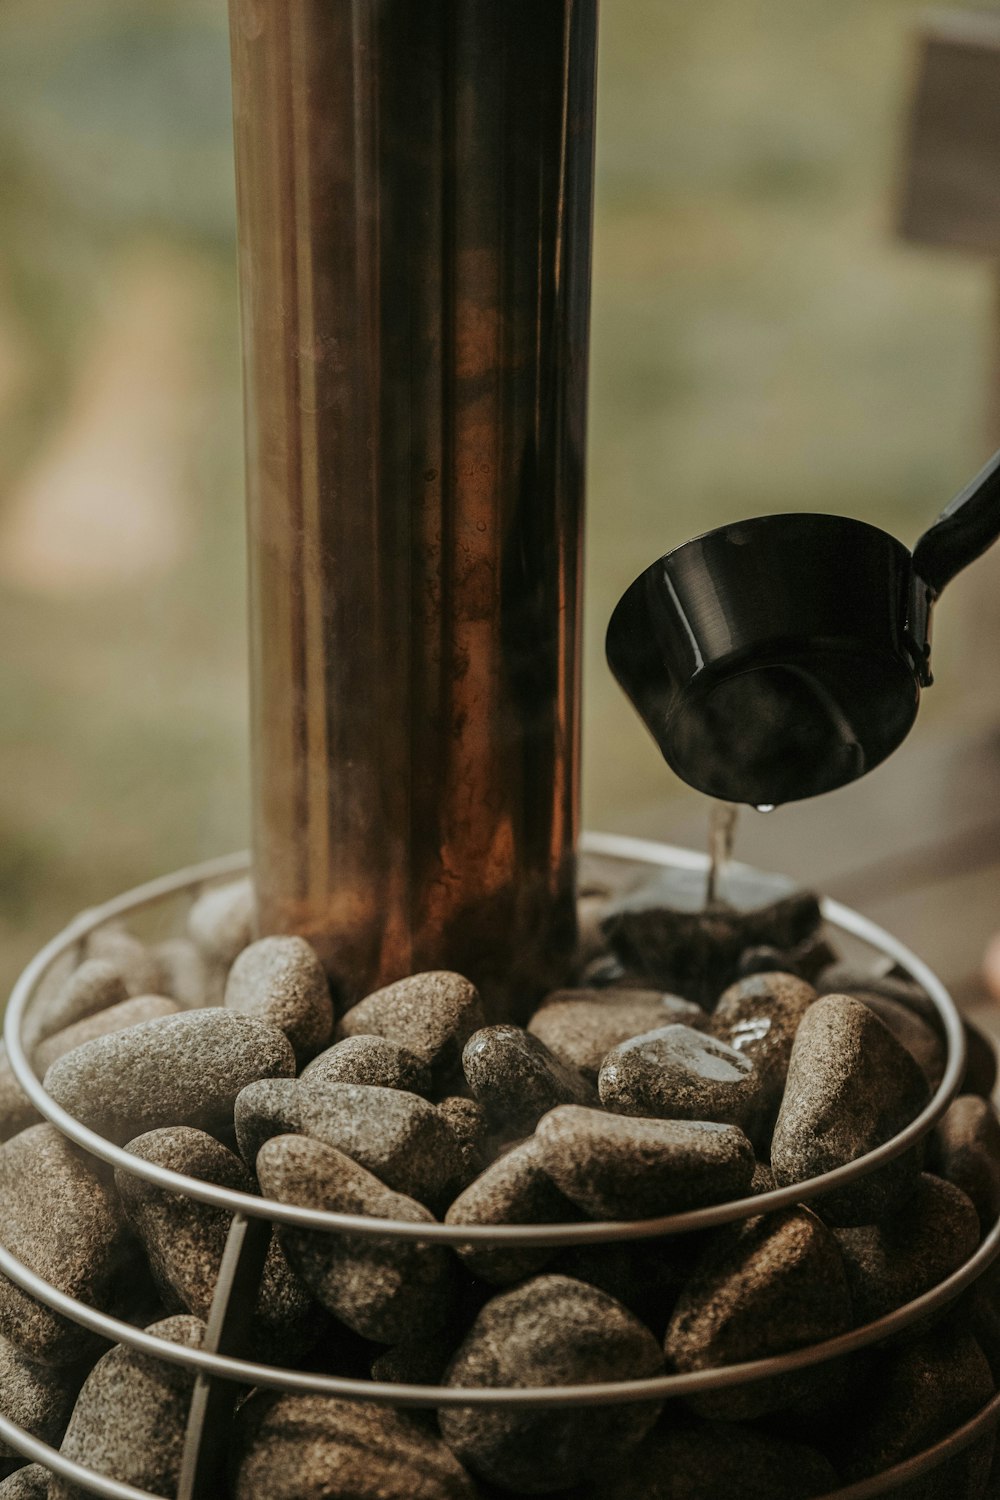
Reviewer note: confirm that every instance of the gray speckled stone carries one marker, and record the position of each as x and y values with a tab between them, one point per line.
720	1461
16	1110
759	1016
271	1106
401	1138
135	964
115	1018
180	1070
762	1180
36	1397
188	976
313	1448
94	985
761	1287
850	1087
517	1079
373	1060
30	1483
67	1225
514	1190
964	1147
184	1239
131	1415
676	1073
550	1331
281	980
471	1126
616	1167
912	1031
384	1289
221	921
918	1245
581	1026
431	1014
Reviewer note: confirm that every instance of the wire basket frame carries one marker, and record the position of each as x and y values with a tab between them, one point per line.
219	1363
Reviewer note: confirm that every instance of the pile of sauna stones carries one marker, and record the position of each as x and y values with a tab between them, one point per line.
622	1097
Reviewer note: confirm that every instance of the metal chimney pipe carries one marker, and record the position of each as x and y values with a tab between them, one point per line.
414	199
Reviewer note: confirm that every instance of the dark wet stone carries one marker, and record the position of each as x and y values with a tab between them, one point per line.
372	1060
762	1287
399	1137
115	1018
281	980
550	1331
134	963
30	1483
386	1290
516	1078
964	1148
759	1017
923	1241
94	985
807	960
720	1461
432	1015
514	1190
851	1086
617	1167
221	921
35	1397
185	1240
180	1070
471	1127
580	1027
271	1106
677	1073
67	1225
130	1418
289	1447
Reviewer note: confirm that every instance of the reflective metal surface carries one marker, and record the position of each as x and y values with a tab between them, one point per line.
414	198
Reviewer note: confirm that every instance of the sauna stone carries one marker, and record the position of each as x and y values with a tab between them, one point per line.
180	1070
677	1073
580	1027
471	1127
30	1483
416	1362
850	1086
35	1397
268	1107
131	1414
401	1138
385	1290
281	980
517	1079
762	1287
115	1018
964	1147
221	921
514	1190
290	1447
188	977
371	1060
923	1241
759	1017
550	1331
134	963
616	1167
431	1014
67	1225
93	986
721	1460
16	1110
919	1038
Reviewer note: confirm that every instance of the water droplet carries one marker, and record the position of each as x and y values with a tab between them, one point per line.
765	807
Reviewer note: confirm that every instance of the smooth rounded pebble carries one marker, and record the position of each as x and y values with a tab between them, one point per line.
188	976
514	1190
759	1017
93	985
762	1287
550	1331
929	1236
135	964
130	1418
677	1073
67	1225
912	1031
471	1127
30	1483
617	1167
180	1070
281	980
401	1138
16	1110
271	1106
383	1289
517	1079
35	1397
221	921
373	1060
116	1018
290	1447
964	1148
580	1027
431	1014
184	1239
721	1461
851	1086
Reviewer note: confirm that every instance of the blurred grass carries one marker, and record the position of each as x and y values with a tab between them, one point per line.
760	342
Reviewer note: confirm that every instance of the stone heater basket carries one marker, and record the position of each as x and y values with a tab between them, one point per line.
218	1364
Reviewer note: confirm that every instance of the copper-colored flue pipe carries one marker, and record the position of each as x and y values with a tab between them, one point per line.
414	197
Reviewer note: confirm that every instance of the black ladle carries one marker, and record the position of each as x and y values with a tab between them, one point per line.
783	656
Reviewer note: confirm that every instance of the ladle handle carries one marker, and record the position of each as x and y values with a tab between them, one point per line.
963	530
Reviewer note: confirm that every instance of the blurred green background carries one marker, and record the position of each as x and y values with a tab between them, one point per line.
761	342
